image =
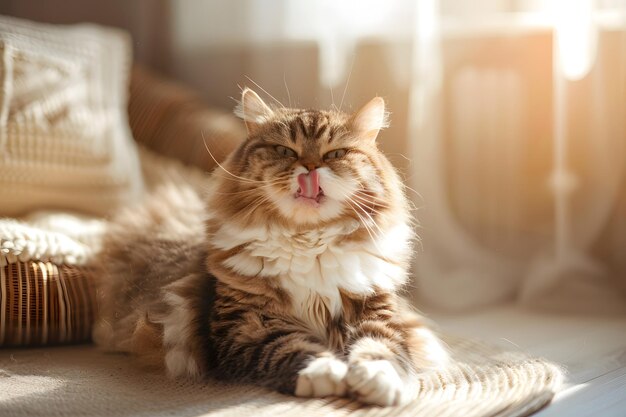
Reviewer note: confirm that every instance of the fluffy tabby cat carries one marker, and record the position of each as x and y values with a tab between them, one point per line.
286	275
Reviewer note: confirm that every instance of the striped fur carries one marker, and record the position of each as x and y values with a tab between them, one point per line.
254	284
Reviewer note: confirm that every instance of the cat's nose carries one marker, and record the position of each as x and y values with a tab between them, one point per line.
310	166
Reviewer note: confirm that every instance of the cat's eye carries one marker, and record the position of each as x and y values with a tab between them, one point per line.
337	153
285	151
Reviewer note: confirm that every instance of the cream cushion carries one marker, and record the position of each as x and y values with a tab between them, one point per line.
64	136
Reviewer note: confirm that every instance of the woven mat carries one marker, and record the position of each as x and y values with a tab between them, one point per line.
81	381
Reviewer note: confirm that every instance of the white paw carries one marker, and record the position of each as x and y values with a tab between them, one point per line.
375	382
321	378
181	363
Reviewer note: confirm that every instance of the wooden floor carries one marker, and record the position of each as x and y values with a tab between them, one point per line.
592	349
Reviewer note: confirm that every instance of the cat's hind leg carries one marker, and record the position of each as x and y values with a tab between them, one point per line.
184	317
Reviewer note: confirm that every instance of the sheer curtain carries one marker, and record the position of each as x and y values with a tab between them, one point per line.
523	179
507	121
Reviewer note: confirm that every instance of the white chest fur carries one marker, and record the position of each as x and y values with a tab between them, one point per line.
314	265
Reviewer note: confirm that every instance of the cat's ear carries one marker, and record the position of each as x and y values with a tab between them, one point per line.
253	110
368	121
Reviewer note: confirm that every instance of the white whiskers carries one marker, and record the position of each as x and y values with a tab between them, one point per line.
243	179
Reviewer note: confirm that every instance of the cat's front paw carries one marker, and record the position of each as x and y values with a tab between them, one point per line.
321	378
375	382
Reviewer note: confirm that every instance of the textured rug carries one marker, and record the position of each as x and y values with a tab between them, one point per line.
81	381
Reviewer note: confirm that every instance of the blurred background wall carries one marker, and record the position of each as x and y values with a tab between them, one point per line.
507	118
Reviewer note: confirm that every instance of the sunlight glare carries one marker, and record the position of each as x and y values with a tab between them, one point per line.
576	36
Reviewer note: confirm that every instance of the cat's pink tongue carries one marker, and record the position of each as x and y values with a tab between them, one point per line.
309	184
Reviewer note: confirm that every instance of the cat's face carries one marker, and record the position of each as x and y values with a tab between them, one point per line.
310	165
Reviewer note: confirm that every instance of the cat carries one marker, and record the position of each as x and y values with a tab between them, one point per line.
286	273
